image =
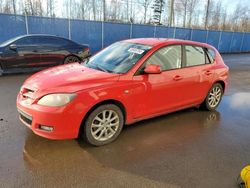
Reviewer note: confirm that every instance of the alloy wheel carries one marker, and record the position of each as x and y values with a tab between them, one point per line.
105	125
214	96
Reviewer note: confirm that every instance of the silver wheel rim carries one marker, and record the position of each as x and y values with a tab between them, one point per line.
71	59
105	125
214	97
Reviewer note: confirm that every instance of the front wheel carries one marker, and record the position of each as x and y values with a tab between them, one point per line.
1	71
213	98
103	125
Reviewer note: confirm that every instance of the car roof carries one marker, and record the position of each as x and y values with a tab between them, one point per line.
41	35
159	41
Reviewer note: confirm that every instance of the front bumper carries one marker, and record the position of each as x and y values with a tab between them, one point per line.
65	120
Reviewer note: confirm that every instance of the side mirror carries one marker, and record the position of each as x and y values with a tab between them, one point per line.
152	69
13	46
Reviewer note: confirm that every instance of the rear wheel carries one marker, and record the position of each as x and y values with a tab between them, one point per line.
103	125
71	59
213	98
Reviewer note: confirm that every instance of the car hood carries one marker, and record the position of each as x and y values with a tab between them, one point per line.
68	78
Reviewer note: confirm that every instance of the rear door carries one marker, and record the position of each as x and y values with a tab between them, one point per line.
26	54
54	50
198	64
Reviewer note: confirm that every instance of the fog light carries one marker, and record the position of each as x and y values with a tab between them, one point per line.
46	128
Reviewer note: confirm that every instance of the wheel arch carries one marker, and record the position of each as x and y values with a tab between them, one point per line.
222	83
108	101
69	56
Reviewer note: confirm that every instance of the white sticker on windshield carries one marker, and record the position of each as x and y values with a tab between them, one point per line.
135	50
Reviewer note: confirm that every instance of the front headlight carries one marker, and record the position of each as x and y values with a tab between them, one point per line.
56	99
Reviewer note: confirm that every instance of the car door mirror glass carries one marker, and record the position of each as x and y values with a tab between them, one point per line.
152	69
13	46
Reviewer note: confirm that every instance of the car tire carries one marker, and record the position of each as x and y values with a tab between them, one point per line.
103	125
1	71
213	97
71	59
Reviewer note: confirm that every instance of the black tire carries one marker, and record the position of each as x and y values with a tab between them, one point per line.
207	103
1	71
71	59
90	125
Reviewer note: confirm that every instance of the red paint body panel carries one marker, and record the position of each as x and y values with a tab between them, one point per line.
143	96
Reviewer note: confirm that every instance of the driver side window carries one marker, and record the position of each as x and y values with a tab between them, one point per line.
167	58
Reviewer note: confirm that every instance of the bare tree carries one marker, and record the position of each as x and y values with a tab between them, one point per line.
104	10
94	9
216	15
207	13
7	7
33	7
14	6
191	9
181	7
145	4
50	8
158	9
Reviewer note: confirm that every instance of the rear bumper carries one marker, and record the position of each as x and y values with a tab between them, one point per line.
65	120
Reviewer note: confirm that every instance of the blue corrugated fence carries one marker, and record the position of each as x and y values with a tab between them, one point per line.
100	34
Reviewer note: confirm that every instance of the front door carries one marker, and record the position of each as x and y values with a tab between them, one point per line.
25	55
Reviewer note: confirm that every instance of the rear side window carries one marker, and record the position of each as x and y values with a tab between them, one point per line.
210	54
26	41
55	41
167	57
195	55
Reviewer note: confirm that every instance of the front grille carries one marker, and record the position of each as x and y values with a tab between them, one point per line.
25	117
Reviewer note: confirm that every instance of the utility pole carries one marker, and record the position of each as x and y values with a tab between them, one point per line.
207	14
171	12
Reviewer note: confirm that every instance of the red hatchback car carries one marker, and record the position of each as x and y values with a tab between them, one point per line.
126	82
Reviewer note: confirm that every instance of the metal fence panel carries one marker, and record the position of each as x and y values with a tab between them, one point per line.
142	31
52	26
87	32
213	38
182	33
246	43
11	26
171	32
236	42
161	32
100	34
114	32
225	41
199	35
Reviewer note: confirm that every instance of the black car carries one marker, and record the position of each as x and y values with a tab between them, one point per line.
34	52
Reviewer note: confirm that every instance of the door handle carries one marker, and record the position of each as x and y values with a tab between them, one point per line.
208	72
177	78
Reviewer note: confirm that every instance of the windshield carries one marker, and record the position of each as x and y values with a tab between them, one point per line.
7	42
118	58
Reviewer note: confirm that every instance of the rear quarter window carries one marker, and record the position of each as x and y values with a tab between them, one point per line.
53	41
211	54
